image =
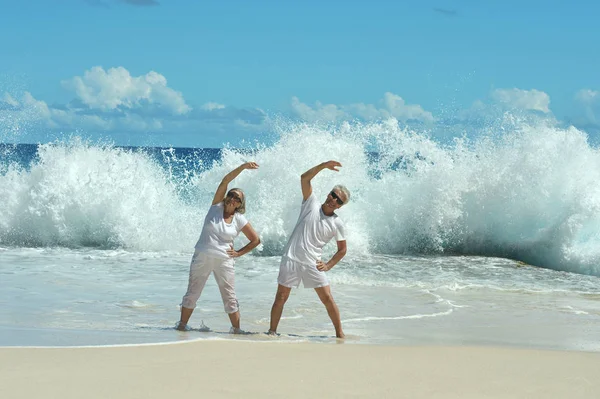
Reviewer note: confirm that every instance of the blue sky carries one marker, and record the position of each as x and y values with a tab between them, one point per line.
184	73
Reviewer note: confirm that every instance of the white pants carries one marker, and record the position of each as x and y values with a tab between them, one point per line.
200	268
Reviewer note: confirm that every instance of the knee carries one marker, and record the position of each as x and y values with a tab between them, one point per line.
327	299
281	297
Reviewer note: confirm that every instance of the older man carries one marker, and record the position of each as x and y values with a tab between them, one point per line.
301	260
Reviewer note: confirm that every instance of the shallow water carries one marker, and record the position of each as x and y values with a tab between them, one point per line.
64	297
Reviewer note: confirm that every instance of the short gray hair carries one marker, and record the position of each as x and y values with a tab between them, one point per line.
344	190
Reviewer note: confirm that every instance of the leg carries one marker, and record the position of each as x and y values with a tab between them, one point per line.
235	319
225	276
186	313
282	295
325	296
199	272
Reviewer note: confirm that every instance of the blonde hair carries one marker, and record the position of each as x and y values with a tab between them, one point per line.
242	208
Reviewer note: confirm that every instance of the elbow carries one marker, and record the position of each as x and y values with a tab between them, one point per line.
256	242
308	175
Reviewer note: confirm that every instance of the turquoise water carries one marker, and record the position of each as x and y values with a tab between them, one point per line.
491	241
62	297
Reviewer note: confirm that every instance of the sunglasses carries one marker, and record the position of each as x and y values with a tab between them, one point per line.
234	196
336	197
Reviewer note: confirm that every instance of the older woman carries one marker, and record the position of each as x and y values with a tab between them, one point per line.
214	251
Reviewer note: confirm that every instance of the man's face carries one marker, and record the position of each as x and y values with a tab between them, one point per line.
335	199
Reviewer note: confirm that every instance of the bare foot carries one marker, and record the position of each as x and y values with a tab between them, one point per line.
182	327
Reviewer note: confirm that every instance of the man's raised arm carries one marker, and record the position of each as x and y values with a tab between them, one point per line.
312	172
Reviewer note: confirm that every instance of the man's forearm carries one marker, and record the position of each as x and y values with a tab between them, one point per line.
312	172
336	258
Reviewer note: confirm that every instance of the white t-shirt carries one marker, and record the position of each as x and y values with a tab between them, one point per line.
217	236
313	230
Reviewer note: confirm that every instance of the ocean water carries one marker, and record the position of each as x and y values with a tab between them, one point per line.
488	241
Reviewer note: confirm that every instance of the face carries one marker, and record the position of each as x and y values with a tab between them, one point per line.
335	199
234	198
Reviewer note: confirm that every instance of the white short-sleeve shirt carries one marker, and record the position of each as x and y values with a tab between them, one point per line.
313	230
217	236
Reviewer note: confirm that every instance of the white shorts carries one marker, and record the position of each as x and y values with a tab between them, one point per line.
200	269
292	272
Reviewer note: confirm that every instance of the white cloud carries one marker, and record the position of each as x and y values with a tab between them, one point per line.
587	96
320	112
589	113
402	111
392	105
32	119
8	99
36	107
210	106
31	110
531	100
116	88
138	123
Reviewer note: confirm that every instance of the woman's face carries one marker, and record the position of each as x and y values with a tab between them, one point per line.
234	198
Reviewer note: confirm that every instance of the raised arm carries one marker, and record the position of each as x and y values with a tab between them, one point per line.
312	172
222	189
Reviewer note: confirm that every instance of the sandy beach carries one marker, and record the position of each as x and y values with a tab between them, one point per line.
229	369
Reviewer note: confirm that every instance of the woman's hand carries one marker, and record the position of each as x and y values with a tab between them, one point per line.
222	189
233	253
